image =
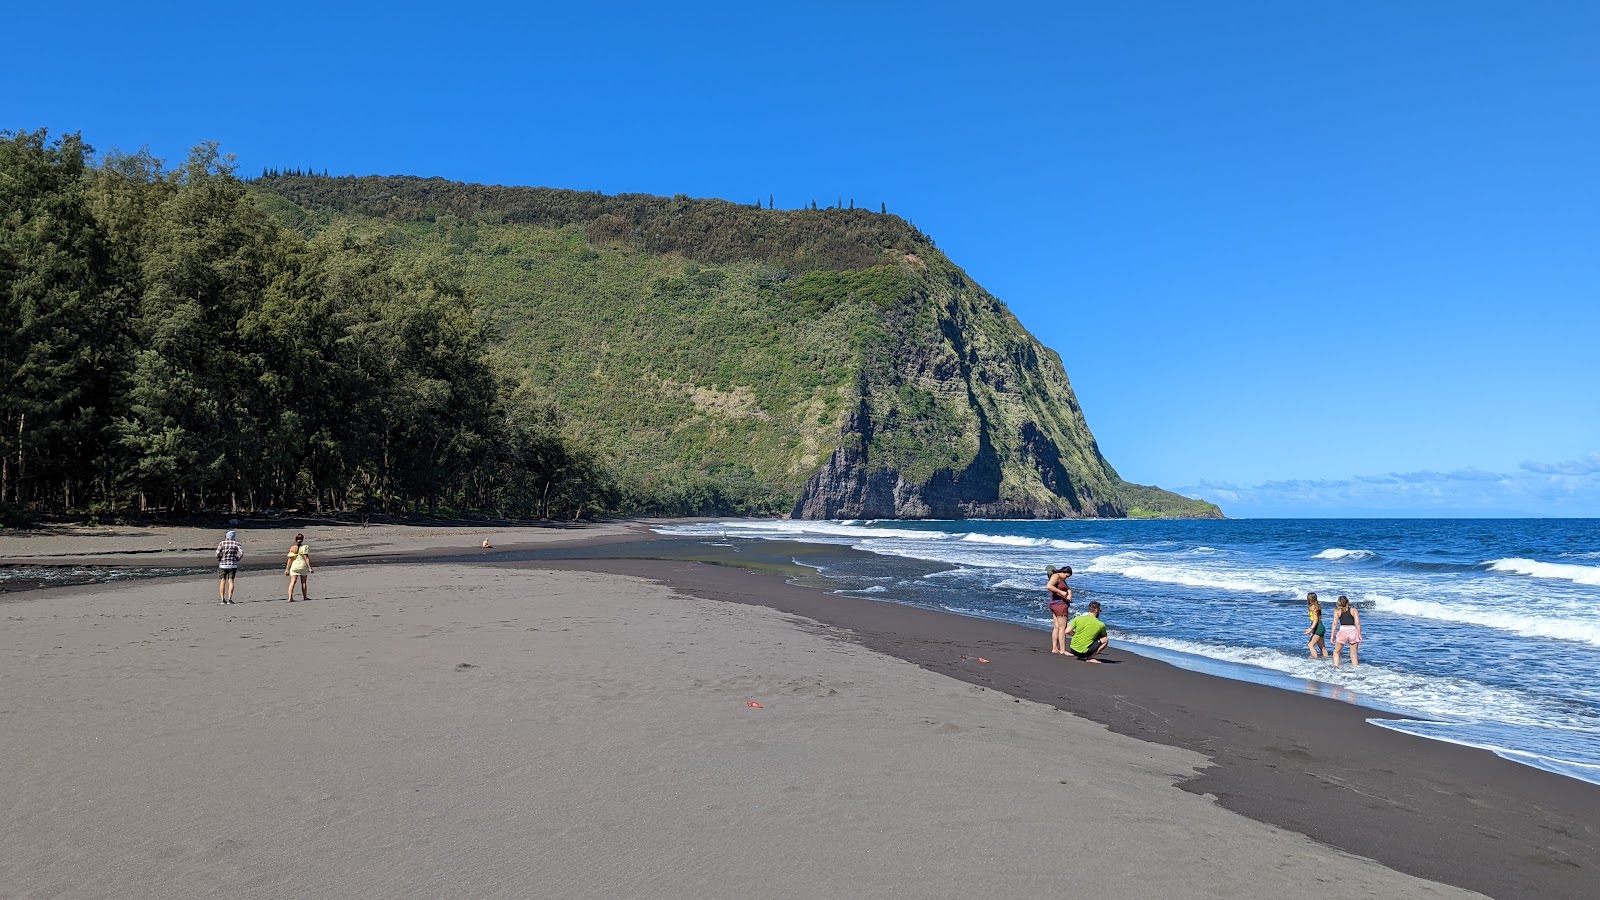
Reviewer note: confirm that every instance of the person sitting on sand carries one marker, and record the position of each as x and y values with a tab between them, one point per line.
1059	599
1088	634
298	566
1349	632
228	555
1318	628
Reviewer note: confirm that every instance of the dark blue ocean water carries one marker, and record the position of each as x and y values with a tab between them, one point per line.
1487	630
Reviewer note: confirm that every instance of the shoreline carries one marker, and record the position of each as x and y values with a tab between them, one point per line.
1313	765
1447	812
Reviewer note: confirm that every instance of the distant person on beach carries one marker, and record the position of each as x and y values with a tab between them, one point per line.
228	555
1349	632
298	566
1316	646
1060	600
1088	634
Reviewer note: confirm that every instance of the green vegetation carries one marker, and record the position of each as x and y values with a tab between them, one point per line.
1153	503
185	340
169	345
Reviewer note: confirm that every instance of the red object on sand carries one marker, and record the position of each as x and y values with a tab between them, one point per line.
982	660
753	705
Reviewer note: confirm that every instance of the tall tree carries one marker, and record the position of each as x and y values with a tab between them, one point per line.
62	321
210	255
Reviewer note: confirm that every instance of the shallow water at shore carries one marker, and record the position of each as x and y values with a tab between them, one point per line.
1444	644
19	578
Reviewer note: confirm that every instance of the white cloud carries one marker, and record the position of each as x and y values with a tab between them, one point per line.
1588	464
1570	488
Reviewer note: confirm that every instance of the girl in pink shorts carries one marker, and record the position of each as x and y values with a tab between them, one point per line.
1349	633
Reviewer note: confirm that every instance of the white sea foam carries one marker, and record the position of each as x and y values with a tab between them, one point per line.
1005	540
1516	621
1339	553
1535	569
1376	685
1020	584
1572	751
1136	565
1010	540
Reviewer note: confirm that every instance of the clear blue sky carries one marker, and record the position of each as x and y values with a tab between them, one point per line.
1314	258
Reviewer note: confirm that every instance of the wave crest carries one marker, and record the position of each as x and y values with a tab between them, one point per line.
1137	566
1535	569
1339	553
1516	623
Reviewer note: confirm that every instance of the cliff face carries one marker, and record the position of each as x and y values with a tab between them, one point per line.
957	382
729	359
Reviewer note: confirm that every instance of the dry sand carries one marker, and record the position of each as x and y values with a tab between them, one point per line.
468	731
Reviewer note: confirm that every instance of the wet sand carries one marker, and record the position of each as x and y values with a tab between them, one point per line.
1309	764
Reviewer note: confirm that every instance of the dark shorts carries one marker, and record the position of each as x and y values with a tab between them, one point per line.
1319	630
226	574
1093	649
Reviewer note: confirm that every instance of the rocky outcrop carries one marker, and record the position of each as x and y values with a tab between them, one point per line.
959	381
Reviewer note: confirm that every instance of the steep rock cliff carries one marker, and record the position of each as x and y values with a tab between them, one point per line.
960	413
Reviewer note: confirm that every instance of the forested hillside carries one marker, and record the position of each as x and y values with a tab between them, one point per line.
179	339
170	345
832	362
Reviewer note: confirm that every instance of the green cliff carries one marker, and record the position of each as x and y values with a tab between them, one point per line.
826	363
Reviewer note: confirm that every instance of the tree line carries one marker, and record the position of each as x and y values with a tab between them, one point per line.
707	230
167	345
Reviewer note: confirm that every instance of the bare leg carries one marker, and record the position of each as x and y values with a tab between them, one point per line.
305	580
292	580
229	598
222	590
1355	656
1094	651
1058	643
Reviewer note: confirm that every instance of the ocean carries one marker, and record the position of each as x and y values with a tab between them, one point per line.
1482	632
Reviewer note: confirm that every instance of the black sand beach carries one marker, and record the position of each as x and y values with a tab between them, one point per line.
1453	814
1308	764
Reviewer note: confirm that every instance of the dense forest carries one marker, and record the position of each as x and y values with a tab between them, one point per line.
169	345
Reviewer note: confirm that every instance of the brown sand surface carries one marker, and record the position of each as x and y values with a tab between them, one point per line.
1310	764
454	730
265	543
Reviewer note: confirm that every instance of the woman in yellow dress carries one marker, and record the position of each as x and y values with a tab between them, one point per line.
298	566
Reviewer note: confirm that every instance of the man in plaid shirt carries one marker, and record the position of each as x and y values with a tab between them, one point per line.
228	555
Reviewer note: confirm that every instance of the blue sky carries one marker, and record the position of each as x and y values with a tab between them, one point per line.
1302	258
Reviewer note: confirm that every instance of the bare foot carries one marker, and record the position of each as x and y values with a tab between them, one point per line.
1095	661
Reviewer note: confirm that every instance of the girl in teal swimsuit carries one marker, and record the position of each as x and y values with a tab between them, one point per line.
1318	629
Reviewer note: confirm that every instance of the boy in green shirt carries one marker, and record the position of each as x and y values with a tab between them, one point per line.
1088	634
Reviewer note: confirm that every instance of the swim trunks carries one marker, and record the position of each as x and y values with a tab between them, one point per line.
1089	651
